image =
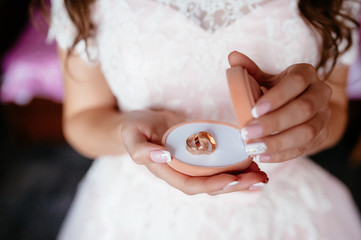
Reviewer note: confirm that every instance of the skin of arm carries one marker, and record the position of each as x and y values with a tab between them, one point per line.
91	122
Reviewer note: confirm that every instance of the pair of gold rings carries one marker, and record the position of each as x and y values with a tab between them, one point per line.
201	143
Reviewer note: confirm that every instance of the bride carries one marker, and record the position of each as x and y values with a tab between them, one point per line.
135	68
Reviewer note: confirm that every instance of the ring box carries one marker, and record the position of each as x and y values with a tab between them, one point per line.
229	154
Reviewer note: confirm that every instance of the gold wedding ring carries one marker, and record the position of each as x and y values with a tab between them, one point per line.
201	143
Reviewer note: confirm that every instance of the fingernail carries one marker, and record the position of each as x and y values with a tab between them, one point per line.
257	186
229	185
261	109
256	148
264	158
160	156
251	131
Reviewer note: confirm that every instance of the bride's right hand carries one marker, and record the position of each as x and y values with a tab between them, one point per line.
142	134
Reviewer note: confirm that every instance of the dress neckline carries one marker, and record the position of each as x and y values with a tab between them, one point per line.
213	15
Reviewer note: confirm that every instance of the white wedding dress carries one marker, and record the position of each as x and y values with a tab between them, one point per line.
172	54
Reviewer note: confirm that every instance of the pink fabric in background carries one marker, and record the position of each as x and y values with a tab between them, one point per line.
354	78
31	68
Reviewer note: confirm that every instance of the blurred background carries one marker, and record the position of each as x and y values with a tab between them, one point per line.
40	172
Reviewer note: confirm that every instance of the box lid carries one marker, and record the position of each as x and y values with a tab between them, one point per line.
245	91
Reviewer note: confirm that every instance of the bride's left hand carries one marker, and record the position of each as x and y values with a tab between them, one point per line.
291	118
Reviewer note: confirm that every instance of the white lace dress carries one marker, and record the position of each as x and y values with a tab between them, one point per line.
172	54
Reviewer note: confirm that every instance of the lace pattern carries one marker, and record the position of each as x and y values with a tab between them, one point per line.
211	15
64	32
214	14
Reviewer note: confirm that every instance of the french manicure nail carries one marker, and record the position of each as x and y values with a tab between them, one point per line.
160	156
229	185
251	131
261	109
256	148
264	158
257	186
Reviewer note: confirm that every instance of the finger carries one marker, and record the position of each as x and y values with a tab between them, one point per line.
290	84
295	152
253	167
213	185
245	182
192	185
296	112
140	149
292	138
239	59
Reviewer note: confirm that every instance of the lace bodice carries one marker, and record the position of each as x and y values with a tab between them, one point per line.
172	54
213	15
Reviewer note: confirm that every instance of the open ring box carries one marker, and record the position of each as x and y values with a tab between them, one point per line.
229	153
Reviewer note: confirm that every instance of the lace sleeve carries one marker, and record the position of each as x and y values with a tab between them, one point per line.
63	31
352	8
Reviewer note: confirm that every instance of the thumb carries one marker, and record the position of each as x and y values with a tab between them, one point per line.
146	152
239	59
142	151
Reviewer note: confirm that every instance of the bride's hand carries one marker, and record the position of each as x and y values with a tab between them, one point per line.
291	118
142	134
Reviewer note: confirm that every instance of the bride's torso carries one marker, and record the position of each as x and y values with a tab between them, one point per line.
172	54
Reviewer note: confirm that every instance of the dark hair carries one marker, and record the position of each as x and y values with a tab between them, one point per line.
334	24
327	17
